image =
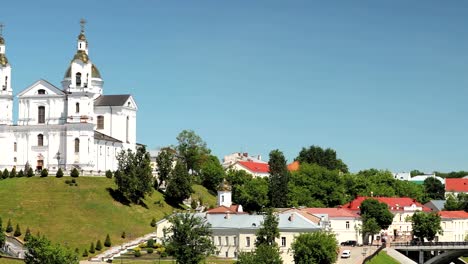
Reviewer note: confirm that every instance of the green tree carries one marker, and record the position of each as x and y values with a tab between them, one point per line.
13	173
189	241
5	174
317	247
434	189
212	173
426	225
17	232
253	194
41	251
150	243
371	208
179	186
92	248
74	173
323	157
269	230
20	174
192	150
109	174
164	162
98	245
135	179
59	173
30	172
370	227
9	227
451	203
107	242
1	174
278	180
263	254
153	222
416	173
44	173
2	234
85	253
237	178
27	235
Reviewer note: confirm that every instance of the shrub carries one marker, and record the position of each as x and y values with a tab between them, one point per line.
91	248
20	174
27	235
74	173
68	181
149	250
59	173
150	243
13	173
194	204
73	181
1	174
44	173
98	245
85	253
142	245
5	174
137	253
153	222
17	232
109	174
77	251
107	242
30	172
123	235
9	228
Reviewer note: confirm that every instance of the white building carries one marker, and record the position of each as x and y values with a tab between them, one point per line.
455	226
230	159
75	126
256	169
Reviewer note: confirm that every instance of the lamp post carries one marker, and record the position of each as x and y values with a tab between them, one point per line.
57	156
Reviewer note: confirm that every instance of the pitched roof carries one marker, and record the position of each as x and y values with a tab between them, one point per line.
111	100
333	212
394	203
453	214
293	166
437	205
233	209
456	185
101	136
255	166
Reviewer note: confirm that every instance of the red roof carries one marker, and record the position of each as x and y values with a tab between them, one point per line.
255	166
453	214
233	209
293	166
332	212
456	185
394	204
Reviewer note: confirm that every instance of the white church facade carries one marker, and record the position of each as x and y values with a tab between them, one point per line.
75	126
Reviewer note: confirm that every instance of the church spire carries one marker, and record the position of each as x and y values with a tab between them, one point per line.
3	58
82	42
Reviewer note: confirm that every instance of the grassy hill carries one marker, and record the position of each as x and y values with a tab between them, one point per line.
78	215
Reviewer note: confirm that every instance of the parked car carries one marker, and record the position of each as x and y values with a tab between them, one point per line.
346	253
351	243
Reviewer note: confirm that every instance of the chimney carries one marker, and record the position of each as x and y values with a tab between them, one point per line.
291	217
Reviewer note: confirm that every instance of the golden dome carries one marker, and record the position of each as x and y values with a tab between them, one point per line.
224	186
3	60
81	55
81	36
94	72
2	40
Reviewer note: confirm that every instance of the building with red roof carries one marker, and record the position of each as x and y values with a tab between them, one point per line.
294	166
454	224
455	186
256	169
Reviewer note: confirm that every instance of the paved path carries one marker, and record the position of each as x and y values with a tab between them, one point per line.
398	256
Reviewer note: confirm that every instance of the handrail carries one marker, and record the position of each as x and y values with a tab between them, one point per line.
429	244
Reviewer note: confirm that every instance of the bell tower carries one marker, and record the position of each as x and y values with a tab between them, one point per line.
6	93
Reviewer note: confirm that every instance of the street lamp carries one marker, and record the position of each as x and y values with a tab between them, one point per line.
57	156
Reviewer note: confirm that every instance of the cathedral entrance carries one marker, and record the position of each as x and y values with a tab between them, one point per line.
40	162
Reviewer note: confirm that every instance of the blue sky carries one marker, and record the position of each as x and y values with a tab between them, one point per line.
384	83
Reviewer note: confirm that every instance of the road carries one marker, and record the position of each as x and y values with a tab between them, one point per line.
357	254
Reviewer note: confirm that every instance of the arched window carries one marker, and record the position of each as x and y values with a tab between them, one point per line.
78	79
77	145
41	114
77	107
100	122
128	121
40	140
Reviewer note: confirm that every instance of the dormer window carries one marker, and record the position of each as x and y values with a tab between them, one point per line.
78	79
41	91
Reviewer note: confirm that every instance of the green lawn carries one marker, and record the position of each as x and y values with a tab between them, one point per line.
78	215
10	261
383	258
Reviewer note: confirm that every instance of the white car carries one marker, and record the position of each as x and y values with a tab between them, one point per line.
346	253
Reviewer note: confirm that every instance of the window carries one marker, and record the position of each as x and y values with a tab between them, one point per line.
219	241
283	241
77	145
347	224
77	107
227	240
222	198
41	91
247	242
235	241
14	159
100	150
40	140
128	121
15	147
78	79
41	114
6	81
100	122
227	254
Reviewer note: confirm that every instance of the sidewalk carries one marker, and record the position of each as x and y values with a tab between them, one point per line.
398	256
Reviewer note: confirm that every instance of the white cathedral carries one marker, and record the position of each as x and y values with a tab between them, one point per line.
76	126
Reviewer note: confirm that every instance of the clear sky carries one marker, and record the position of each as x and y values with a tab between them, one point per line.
384	83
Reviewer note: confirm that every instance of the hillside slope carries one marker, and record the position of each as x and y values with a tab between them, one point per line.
76	215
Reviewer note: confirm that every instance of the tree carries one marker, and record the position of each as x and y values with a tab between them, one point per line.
212	173
85	253
278	180
40	250
253	195
98	245
107	242
153	222
189	239
92	248
5	174
435	190
9	227
451	203
192	150
135	179
17	232
322	157
263	254
109	174
426	225
13	173
59	173
371	208
179	186
370	227
2	234
269	230
44	173
20	174
27	235
416	173
317	247
75	173
164	162
30	172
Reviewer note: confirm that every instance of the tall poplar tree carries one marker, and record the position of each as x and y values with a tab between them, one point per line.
179	186
279	178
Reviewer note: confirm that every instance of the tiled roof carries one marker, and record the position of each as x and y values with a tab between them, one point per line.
111	100
453	214
332	212
456	185
293	166
233	209
255	166
394	204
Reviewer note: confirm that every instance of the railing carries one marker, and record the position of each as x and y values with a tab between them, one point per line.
428	244
368	258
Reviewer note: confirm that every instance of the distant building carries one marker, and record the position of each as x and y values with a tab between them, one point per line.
256	169
436	205
419	179
224	198
293	166
231	159
402	176
455	186
455	226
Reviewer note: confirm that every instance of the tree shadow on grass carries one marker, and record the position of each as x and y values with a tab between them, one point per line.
175	205
118	196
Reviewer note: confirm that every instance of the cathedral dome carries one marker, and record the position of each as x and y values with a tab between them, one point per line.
3	60
94	72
